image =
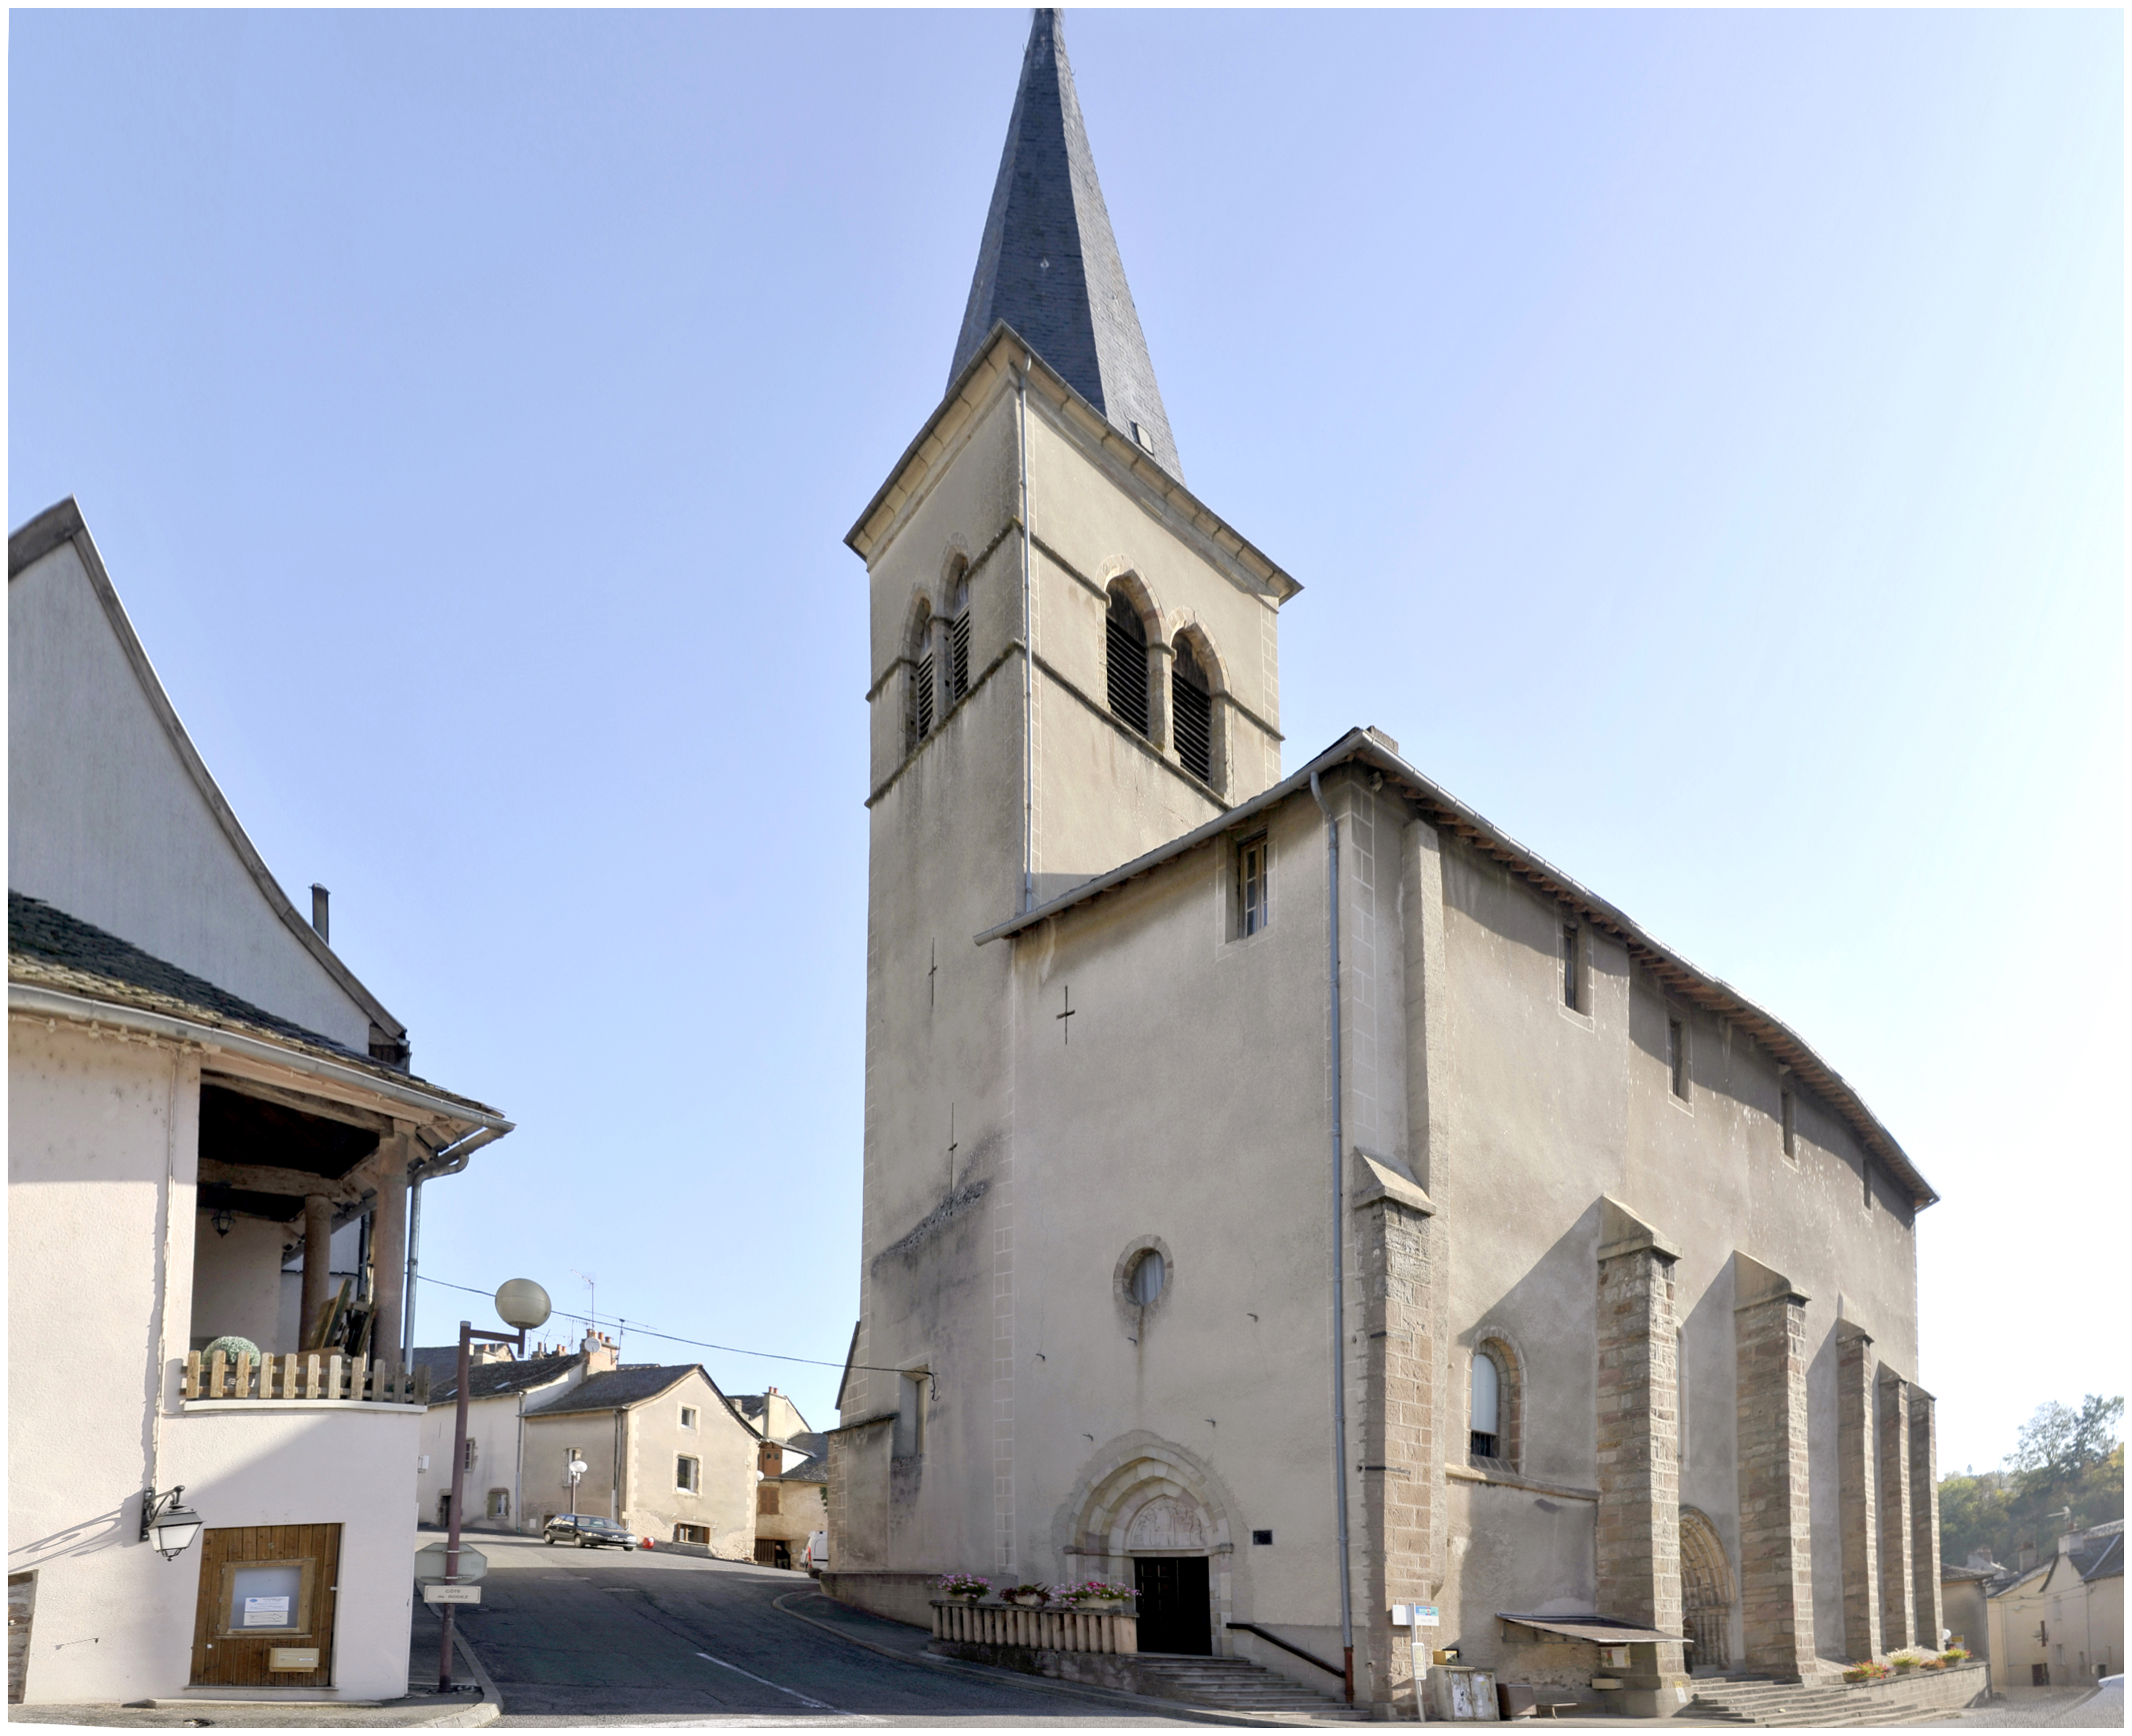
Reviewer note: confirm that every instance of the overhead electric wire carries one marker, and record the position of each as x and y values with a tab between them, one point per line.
673	1337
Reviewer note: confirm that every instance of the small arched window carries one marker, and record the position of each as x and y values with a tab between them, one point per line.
1144	1282
1125	642
1191	712
1486	1421
958	636
1497	1403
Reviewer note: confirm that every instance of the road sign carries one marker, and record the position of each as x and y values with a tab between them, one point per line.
451	1594
1416	1615
429	1565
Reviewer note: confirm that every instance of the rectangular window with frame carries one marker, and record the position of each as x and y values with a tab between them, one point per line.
688	1415
688	1475
1677	1057
1572	974
1254	885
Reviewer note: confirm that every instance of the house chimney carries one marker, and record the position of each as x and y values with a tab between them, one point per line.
2026	1558
319	895
598	1353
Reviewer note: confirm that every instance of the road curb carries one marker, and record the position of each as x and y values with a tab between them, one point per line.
492	1696
1072	1691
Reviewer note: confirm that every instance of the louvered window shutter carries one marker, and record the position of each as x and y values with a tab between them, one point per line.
1126	647
1191	714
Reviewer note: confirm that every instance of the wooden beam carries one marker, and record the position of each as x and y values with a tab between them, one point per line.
326	1108
264	1178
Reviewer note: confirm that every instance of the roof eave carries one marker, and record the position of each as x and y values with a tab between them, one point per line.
860	539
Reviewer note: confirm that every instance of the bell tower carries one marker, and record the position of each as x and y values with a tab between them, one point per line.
1073	661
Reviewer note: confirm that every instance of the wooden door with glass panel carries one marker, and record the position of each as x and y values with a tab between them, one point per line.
266	1616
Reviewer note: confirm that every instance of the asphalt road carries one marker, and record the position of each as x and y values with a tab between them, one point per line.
580	1636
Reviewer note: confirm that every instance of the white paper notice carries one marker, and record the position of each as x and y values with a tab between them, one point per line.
266	1612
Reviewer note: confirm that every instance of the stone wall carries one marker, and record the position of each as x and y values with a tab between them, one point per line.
1638	1465
1897	1610
1924	1522
1776	1528
1401	1451
1857	1500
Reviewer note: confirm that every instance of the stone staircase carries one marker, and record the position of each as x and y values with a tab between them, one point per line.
1233	1685
1761	1700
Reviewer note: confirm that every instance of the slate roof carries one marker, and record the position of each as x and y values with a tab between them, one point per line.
492	1380
47	948
2100	1558
620	1388
756	1406
1048	265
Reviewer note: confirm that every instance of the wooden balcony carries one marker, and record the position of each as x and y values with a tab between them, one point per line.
1048	1628
310	1374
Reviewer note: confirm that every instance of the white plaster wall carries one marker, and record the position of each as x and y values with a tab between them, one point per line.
103	1154
96	788
237	1282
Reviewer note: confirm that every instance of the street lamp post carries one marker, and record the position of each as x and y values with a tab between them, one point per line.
520	1303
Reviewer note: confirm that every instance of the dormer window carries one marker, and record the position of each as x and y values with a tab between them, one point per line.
1191	712
1125	655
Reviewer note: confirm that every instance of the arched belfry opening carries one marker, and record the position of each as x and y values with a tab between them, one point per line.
1705	1592
1125	648
1192	710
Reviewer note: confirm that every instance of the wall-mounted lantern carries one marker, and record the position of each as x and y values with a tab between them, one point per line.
167	1522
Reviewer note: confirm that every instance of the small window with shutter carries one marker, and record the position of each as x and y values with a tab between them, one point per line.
1254	884
1125	642
1191	711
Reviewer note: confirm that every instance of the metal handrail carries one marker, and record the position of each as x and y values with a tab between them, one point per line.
1309	1658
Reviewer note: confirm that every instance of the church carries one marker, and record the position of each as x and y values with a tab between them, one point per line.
1284	1193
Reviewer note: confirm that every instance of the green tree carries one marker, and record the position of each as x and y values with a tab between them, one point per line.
2063	1458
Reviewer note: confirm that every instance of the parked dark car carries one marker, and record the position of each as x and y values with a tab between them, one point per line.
587	1531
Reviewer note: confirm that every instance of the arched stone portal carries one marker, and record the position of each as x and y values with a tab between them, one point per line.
1152	1515
1706	1591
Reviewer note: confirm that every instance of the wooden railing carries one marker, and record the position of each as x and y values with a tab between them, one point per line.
1046	1628
310	1375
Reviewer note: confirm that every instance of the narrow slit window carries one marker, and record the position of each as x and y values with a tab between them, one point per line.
1192	709
1572	996
1785	1120
1126	660
1677	1057
1252	908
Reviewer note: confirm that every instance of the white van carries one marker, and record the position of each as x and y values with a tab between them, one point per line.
817	1555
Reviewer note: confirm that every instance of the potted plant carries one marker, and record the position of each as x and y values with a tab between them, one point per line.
967	1586
1033	1595
1093	1591
1905	1660
1955	1654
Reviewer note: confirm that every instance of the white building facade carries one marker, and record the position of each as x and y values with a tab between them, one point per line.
198	1084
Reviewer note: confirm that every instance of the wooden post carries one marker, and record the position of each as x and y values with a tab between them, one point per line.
318	1263
388	1244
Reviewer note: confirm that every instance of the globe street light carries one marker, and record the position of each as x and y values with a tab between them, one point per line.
522	1303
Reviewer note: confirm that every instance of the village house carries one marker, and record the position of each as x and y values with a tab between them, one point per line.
666	1455
791	1501
500	1390
1288	1194
2061	1622
199	1085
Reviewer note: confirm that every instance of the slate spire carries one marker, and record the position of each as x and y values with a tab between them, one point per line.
1049	265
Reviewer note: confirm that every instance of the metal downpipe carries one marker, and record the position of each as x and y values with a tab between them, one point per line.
1339	1238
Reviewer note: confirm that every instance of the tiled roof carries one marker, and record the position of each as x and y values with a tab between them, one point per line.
49	949
2102	1559
1048	265
618	1388
495	1379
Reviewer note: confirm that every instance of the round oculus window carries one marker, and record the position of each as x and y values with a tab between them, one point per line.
1143	1281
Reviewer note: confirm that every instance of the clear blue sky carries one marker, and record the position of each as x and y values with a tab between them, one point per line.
1700	435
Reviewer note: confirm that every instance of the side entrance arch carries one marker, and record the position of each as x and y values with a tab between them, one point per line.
1705	1592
